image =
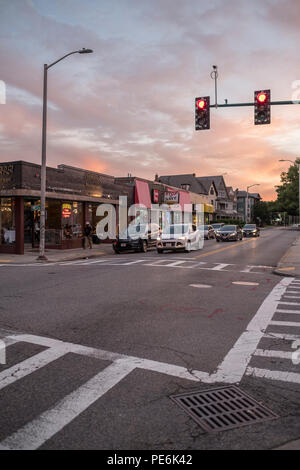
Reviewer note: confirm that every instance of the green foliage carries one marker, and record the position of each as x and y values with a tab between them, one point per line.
288	191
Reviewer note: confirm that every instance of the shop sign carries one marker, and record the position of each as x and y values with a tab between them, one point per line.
208	208
171	197
36	207
155	195
66	211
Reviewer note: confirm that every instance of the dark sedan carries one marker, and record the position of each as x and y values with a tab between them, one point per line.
229	233
137	238
251	230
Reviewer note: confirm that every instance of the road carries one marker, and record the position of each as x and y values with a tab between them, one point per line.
95	348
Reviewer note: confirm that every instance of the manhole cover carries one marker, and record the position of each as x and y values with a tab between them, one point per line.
223	408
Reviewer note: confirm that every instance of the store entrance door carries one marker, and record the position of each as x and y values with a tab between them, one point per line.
31	224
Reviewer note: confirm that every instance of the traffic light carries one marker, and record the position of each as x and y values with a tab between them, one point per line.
202	113
262	107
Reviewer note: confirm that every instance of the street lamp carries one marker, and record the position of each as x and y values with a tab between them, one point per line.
295	163
248	187
43	166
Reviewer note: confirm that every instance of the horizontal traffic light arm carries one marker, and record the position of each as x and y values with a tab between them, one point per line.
272	103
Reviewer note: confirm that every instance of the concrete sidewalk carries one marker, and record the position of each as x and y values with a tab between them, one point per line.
289	265
54	256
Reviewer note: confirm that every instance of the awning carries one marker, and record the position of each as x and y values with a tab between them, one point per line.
142	194
209	208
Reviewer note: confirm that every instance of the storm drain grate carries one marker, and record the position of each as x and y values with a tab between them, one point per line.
223	408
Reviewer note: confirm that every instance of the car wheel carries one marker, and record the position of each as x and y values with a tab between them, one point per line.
144	246
116	251
217	240
159	250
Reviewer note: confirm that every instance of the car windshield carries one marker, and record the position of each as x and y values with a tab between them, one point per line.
176	229
251	226
205	227
216	225
134	231
228	228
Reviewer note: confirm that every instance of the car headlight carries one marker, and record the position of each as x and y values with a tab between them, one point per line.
233	234
182	238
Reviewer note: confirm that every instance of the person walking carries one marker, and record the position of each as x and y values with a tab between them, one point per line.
88	235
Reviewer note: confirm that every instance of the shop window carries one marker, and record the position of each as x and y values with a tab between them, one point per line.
71	219
7	221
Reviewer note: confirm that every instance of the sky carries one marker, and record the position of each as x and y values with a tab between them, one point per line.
129	106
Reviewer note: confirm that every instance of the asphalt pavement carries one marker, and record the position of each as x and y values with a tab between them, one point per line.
95	347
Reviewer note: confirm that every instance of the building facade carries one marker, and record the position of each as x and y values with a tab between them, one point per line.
72	198
247	212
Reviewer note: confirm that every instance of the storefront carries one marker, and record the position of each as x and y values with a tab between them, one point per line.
72	198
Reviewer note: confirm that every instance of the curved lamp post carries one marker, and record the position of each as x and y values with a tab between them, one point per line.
248	187
43	166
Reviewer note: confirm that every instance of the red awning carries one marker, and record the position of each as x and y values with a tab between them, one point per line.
184	198
142	194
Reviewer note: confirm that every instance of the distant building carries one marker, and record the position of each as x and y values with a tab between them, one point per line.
212	188
253	198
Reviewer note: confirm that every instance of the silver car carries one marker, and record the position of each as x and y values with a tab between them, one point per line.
180	237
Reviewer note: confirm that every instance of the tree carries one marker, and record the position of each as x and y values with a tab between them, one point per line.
288	191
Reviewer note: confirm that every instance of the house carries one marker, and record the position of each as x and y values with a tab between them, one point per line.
253	198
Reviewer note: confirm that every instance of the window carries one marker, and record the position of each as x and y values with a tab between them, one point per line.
212	191
7	221
72	218
186	186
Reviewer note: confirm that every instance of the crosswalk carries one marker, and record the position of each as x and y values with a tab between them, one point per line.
268	349
165	262
281	341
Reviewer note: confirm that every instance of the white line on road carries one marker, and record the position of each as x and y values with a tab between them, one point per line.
20	370
273	374
285	323
273	353
220	266
242	283
283	336
37	432
234	365
280	310
200	286
292	296
289	303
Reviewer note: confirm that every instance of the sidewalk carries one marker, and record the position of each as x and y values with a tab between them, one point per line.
289	265
293	445
54	256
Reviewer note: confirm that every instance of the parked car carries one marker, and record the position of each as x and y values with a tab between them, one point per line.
179	237
229	233
251	230
137	238
209	232
217	226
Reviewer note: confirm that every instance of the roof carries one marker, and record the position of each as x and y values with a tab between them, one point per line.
244	194
178	180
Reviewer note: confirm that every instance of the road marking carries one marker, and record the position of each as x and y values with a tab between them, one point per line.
273	374
294	287
285	323
37	432
236	361
284	336
219	250
242	283
273	353
204	286
290	268
292	296
287	311
220	266
20	370
289	303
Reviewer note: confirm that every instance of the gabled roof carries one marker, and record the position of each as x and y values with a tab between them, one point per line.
178	180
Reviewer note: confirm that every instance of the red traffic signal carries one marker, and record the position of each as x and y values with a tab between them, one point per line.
262	97
202	113
262	107
201	104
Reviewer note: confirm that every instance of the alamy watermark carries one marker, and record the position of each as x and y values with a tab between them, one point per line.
158	215
2	92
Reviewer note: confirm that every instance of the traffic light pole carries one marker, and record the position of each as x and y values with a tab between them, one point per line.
272	103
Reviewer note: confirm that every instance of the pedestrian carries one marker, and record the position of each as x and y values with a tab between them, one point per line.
87	235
